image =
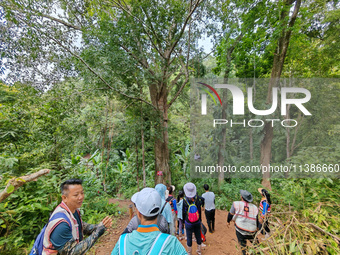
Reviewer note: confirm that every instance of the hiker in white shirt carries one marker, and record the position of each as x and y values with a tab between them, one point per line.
209	201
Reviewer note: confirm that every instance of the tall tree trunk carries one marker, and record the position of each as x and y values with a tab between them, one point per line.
251	148
278	61
104	135
288	134
108	148
222	146
266	153
159	95
142	135
137	163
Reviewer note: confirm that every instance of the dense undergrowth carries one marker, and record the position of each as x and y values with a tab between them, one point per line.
304	217
25	212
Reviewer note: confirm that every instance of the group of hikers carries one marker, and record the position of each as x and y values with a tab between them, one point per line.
153	229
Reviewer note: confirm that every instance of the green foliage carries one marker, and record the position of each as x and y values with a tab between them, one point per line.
26	211
90	126
310	207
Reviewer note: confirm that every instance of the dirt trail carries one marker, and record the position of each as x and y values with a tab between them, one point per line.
222	241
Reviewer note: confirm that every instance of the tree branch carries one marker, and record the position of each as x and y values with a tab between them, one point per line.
36	13
88	67
59	21
95	73
169	52
183	85
17	182
155	34
337	239
145	65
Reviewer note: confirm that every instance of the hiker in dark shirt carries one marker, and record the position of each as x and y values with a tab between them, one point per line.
192	215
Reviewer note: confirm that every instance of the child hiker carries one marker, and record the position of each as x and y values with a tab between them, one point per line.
264	208
180	214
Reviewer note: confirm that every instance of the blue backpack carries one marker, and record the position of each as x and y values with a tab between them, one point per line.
38	245
193	215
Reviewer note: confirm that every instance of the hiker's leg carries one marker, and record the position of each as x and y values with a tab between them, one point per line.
177	226
242	241
174	219
261	228
252	239
180	227
189	230
266	226
208	216
197	231
189	250
213	220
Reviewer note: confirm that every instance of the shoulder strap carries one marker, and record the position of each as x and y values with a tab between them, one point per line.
61	215
163	207
122	244
159	244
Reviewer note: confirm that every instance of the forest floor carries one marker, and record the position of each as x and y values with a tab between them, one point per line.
222	241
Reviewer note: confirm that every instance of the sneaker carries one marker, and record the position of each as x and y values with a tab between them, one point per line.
203	245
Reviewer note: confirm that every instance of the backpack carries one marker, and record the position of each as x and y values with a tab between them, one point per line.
38	245
193	215
203	232
169	200
161	220
156	248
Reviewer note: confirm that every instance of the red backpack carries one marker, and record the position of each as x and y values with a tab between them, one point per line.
193	215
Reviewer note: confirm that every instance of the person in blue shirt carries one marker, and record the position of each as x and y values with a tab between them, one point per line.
147	239
264	208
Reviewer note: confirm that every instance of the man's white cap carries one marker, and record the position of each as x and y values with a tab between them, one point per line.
148	202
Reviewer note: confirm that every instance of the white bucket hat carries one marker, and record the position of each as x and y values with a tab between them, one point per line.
189	189
148	202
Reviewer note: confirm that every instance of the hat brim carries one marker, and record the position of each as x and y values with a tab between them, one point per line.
260	190
190	195
134	197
